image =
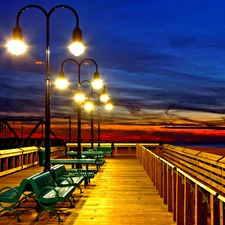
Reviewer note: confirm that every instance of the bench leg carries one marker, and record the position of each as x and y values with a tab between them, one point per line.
26	196
97	167
46	209
71	202
13	211
85	181
80	189
73	198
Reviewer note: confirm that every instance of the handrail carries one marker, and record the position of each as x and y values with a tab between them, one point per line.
189	181
205	167
184	173
12	160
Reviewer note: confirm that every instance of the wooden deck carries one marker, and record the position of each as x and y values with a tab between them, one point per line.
120	194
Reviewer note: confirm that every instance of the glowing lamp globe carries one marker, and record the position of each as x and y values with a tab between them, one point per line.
61	83
76	48
89	106
109	106
79	97
16	47
104	97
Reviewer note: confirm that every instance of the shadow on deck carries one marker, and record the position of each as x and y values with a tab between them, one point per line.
121	193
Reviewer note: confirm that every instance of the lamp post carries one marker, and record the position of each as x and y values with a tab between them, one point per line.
69	117
92	121
18	47
79	98
97	83
104	98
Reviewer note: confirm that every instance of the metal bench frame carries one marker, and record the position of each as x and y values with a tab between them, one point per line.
62	178
48	194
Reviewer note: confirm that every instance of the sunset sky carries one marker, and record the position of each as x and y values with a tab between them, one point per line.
163	63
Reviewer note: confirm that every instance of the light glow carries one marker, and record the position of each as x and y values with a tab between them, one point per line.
61	83
109	106
16	47
77	48
104	97
97	83
79	97
89	106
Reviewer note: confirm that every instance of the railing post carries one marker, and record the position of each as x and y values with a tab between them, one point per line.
165	180
158	176
221	209
169	188
174	191
214	210
201	201
179	199
154	160
148	167
189	202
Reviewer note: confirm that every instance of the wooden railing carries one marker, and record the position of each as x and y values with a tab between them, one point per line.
12	160
118	148
190	182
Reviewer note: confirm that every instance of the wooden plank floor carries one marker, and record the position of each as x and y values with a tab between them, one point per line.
121	193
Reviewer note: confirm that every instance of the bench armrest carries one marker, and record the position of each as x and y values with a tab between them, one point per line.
48	195
9	199
65	179
9	195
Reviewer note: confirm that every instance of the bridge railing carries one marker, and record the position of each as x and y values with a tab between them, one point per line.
190	182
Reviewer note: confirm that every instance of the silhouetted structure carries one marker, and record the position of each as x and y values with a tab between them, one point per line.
10	139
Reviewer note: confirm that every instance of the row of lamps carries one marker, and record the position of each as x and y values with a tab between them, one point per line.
79	97
18	47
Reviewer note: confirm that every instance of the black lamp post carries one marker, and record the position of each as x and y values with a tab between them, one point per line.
17	36
92	121
69	117
96	79
104	98
79	103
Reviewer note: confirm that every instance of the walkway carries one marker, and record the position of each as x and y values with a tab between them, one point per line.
120	194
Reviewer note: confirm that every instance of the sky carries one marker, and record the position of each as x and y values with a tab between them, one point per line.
162	61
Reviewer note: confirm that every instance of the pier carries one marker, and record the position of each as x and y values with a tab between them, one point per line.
120	193
140	184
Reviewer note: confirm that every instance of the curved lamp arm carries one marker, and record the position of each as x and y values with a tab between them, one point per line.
97	82
16	46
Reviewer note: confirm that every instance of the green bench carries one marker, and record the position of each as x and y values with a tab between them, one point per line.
73	162
87	174
98	155
62	178
91	171
48	194
106	150
99	162
26	188
90	153
11	197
